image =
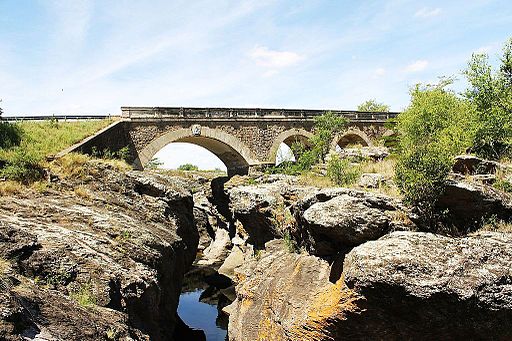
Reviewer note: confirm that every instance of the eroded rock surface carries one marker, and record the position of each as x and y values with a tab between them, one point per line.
467	205
278	292
260	210
102	256
426	286
406	285
332	219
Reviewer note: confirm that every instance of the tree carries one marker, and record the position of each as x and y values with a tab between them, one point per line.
490	92
373	106
188	167
326	127
435	127
154	163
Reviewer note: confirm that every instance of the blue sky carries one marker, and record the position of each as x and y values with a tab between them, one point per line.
92	57
86	56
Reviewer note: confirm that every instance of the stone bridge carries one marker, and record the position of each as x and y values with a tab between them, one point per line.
243	139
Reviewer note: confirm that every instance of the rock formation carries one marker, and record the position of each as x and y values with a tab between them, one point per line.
100	256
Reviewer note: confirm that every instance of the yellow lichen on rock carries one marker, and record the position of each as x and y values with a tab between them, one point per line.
328	306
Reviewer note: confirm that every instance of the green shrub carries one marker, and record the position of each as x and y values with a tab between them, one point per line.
22	166
503	185
341	171
188	167
435	127
84	295
491	92
421	174
154	163
326	126
10	135
107	154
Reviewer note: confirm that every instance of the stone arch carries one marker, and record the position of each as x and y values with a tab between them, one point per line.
351	136
229	149
288	137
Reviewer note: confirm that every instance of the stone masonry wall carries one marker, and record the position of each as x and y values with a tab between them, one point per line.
257	136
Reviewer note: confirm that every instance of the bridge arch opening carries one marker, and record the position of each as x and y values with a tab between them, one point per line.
180	155
351	138
282	148
232	152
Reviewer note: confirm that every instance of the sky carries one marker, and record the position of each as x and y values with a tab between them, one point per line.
92	57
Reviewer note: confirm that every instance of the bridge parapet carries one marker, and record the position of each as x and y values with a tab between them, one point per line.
145	113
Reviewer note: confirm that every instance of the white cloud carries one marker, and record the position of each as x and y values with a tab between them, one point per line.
380	72
274	59
426	12
417	66
488	48
269	73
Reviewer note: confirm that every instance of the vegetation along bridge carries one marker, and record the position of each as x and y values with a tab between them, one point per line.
243	139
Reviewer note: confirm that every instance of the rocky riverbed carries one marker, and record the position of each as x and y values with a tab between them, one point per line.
105	256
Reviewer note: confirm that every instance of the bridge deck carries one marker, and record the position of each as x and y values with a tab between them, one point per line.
174	113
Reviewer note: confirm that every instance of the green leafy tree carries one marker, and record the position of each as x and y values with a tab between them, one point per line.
373	106
433	129
188	167
491	92
326	127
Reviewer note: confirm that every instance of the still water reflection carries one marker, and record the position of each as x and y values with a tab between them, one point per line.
202	316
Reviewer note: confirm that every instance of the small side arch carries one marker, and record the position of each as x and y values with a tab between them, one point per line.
351	136
288	137
229	149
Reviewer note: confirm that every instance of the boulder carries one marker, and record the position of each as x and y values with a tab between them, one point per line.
471	165
235	259
206	232
359	154
371	180
403	286
261	211
467	205
425	286
274	293
252	207
332	219
218	249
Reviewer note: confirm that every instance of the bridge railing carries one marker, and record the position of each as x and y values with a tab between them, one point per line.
56	117
177	112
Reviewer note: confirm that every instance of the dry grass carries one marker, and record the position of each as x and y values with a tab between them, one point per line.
5	266
40	186
82	192
78	166
118	165
71	165
10	187
315	180
401	217
385	167
497	226
390	191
